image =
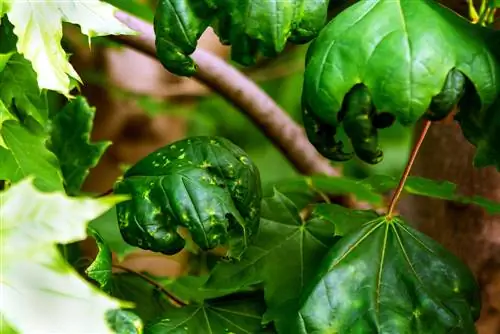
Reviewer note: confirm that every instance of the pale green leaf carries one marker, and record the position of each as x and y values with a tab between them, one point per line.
38	26
41	292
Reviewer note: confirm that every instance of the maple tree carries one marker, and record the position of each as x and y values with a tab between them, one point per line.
281	261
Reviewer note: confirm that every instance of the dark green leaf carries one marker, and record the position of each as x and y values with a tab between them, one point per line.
70	142
387	277
124	322
192	289
250	26
386	46
149	301
303	190
107	227
178	25
284	255
482	129
28	156
205	184
431	188
345	220
100	270
236	315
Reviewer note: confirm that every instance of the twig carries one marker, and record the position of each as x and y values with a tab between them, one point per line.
153	283
409	165
236	88
106	193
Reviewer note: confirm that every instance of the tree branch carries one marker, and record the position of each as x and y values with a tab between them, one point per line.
236	88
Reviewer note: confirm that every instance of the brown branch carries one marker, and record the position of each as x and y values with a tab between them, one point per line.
236	88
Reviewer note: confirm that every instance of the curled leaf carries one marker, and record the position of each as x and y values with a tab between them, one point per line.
250	26
388	47
204	184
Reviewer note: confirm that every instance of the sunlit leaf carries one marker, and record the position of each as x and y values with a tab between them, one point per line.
41	292
38	26
28	156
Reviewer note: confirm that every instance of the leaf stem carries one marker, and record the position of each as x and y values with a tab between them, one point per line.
170	296
406	173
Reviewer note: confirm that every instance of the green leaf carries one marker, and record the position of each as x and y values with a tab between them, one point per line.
5	328
35	277
482	129
100	270
250	26
420	186
5	115
205	184
241	315
386	277
303	190
149	302
4	59
344	219
284	244
193	289
38	26
157	312
135	7
19	90
70	142
377	61
389	46
106	226
124	322
28	156
178	25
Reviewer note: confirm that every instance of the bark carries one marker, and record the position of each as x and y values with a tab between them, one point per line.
465	230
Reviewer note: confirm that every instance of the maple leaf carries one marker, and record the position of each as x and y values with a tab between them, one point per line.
70	142
38	26
41	292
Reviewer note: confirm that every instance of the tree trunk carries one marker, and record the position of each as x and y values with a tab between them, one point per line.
465	230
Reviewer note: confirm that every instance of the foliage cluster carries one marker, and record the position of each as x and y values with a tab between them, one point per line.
267	257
